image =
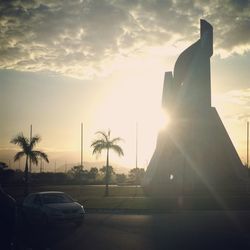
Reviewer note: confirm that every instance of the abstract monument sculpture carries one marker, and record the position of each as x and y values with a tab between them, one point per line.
195	152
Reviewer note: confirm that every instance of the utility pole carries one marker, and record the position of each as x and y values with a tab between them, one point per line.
247	144
65	166
55	166
81	144
248	173
136	146
30	142
136	153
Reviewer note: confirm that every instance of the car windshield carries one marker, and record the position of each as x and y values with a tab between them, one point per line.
56	198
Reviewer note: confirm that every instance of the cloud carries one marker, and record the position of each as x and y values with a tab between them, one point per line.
231	20
237	118
81	37
240	99
244	117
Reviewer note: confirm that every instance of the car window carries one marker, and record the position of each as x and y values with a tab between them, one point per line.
56	198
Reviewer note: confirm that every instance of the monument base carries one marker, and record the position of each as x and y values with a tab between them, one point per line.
194	154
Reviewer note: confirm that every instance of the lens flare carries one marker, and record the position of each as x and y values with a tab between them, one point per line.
164	119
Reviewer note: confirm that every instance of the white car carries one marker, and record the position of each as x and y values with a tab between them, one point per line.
52	207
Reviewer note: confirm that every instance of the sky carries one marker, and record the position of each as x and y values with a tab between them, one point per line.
102	62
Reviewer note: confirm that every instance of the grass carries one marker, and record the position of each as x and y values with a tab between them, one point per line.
134	198
92	196
120	197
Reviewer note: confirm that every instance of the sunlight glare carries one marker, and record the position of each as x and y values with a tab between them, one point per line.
163	120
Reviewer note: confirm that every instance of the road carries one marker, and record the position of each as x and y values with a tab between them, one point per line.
176	230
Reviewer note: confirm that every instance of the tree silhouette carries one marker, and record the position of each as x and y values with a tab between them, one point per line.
108	170
6	173
78	173
104	142
121	178
28	151
92	174
136	175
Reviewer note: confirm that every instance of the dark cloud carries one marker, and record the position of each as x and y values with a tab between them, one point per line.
78	37
231	20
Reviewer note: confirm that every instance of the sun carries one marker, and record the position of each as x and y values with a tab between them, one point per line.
163	120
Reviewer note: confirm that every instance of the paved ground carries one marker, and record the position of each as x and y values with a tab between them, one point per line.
180	230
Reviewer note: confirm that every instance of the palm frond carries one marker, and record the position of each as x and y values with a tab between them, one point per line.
19	155
97	142
41	154
115	140
33	157
21	141
34	140
105	143
117	149
103	134
98	149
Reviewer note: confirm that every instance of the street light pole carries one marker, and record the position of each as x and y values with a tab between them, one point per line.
136	146
136	154
81	144
247	144
30	142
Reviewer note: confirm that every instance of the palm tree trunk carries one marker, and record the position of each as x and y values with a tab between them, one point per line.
26	176
107	175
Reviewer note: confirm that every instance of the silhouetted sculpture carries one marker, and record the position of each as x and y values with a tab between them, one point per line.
195	151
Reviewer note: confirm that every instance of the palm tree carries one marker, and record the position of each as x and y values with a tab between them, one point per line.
106	143
28	151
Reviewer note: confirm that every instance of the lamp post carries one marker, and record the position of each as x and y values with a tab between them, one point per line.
30	142
247	144
136	154
247	163
81	144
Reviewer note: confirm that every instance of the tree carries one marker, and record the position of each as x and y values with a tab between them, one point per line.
121	178
27	146
104	142
136	175
92	174
110	172
6	173
3	167
78	172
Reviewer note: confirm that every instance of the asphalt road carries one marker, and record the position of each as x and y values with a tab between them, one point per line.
177	230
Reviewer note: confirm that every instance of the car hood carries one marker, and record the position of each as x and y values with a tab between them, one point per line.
62	206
